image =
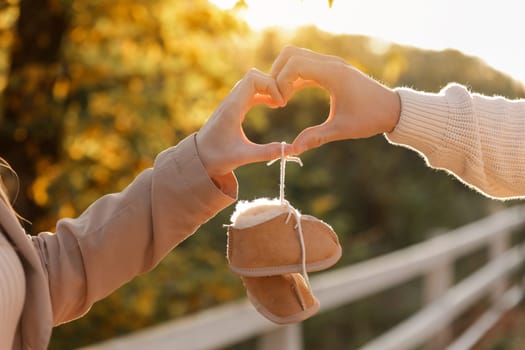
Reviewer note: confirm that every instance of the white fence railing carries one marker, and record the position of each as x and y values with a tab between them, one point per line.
430	326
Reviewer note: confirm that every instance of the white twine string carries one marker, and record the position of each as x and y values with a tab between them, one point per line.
284	159
292	210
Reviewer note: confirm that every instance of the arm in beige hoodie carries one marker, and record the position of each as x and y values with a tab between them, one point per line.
125	234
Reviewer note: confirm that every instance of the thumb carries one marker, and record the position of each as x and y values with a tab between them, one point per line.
311	137
269	151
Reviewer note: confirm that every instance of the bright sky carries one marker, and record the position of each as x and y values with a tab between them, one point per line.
491	30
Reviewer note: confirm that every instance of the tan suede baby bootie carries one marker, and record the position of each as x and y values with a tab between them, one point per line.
282	299
268	251
271	246
263	240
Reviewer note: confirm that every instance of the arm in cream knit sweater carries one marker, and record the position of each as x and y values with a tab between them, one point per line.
479	139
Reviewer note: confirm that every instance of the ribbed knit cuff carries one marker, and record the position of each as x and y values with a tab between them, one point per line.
425	121
477	138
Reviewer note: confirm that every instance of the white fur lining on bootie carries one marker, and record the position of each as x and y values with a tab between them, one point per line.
251	213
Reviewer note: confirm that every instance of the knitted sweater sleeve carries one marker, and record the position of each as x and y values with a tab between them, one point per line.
479	139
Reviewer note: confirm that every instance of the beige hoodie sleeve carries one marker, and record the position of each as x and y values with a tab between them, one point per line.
479	139
125	234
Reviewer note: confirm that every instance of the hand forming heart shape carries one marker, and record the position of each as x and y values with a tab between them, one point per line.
359	107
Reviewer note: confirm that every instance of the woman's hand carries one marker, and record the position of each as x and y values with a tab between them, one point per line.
359	106
222	143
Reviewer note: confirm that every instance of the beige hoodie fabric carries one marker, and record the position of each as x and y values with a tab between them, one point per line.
117	238
479	139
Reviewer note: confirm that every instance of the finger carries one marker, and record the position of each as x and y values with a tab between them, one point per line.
302	83
267	100
287	53
292	51
256	82
266	152
284	56
305	71
312	137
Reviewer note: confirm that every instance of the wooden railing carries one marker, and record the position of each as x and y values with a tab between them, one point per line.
430	326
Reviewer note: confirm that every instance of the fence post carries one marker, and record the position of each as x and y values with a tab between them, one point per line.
498	245
288	337
437	281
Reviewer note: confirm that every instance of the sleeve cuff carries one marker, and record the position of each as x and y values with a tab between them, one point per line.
422	122
192	176
183	195
426	123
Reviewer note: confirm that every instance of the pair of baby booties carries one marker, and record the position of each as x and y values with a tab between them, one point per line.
272	247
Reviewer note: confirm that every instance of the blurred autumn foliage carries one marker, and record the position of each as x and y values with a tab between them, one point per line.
93	90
